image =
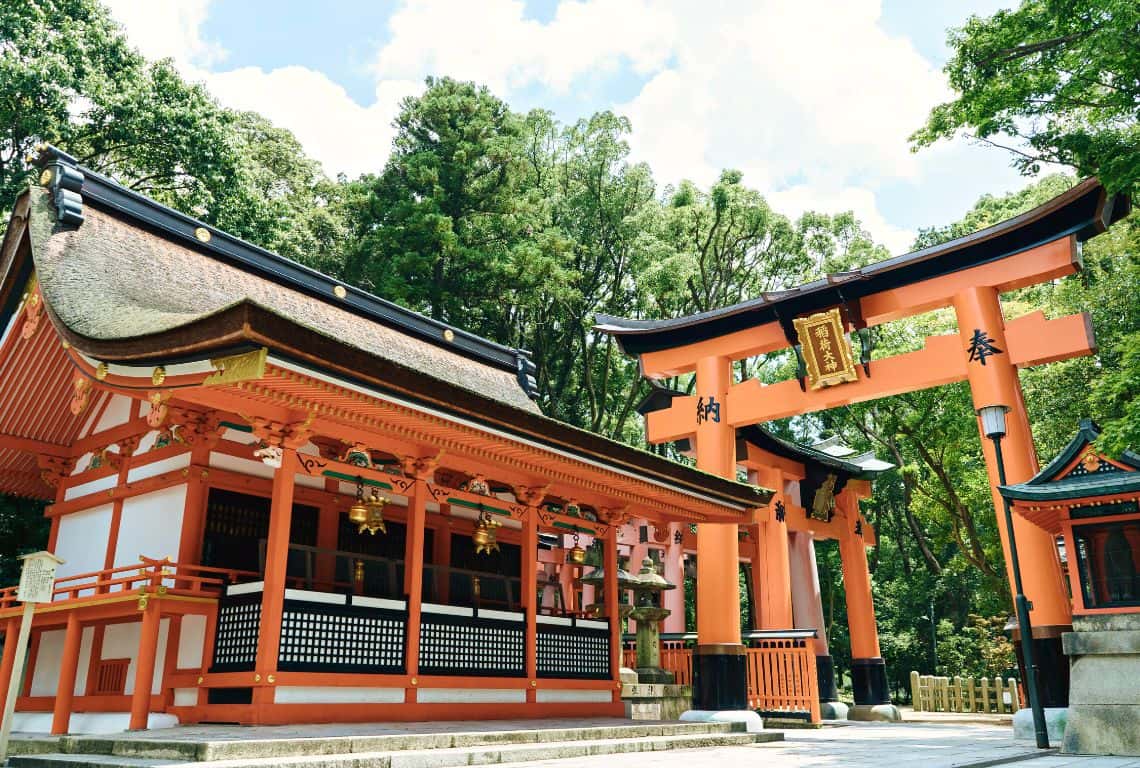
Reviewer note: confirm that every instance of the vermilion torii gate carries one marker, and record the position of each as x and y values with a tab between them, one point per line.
968	274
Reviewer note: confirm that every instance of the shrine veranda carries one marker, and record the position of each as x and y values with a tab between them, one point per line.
279	499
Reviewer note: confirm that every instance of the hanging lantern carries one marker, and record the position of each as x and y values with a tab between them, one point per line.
374	515
484	533
577	555
358	512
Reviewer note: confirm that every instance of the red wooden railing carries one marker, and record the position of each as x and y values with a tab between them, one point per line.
781	672
159	575
111	677
782	677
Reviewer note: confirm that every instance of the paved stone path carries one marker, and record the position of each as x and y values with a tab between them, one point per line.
862	745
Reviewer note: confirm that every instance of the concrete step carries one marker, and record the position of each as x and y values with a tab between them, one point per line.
427	757
205	749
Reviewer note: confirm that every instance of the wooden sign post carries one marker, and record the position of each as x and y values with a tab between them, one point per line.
37	584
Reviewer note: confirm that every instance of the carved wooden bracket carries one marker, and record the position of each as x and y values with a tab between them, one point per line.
281	434
531	496
54	468
420	467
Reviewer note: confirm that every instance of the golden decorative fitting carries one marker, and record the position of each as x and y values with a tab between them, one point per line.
825	348
65	344
186	472
533	683
257	678
415	681
202	234
484	534
234	368
200	679
101	371
158	376
271	679
162	589
576	555
45	177
448	335
340	291
143	602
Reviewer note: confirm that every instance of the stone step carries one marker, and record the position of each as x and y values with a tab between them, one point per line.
201	750
430	757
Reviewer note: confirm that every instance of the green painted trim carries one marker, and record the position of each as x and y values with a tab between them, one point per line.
572	527
473	505
237	427
353	478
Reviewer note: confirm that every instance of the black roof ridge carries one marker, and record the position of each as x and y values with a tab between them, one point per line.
108	195
1084	210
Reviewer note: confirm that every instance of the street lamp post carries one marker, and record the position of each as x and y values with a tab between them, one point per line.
993	427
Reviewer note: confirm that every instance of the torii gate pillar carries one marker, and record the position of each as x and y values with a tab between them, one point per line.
719	662
993	381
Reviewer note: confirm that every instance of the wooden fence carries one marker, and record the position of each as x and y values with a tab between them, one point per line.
964	694
781	673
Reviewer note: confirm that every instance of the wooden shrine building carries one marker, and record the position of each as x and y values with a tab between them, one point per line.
279	499
1091	502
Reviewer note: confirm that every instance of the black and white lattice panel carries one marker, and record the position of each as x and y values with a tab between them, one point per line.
329	638
456	642
235	645
580	650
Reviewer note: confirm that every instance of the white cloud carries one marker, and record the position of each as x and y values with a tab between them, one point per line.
341	134
168	28
812	100
493	43
795	200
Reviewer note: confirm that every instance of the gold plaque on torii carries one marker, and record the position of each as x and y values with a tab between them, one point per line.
826	350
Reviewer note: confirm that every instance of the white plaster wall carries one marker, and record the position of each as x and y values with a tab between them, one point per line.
253	467
151	525
82	541
158	467
288	694
45	677
546	695
121	641
471	696
85	642
191	642
185	697
146	442
95	486
118	412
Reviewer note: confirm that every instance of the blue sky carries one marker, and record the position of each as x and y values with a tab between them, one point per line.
812	99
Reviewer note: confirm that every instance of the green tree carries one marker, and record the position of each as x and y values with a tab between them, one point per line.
1063	76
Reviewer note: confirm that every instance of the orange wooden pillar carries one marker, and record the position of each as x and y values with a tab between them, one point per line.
529	597
719	662
8	660
613	609
414	578
674	573
273	591
993	381
144	667
68	669
775	595
868	671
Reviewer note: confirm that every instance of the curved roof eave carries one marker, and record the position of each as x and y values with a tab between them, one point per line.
1085	210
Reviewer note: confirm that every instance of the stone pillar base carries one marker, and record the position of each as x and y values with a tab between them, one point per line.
1055	719
751	720
1104	700
882	713
833	710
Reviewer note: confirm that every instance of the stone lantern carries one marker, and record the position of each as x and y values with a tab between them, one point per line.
597	577
648	584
